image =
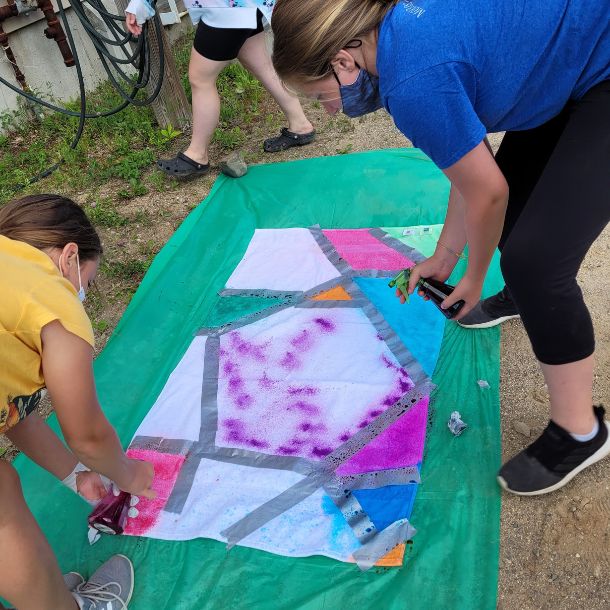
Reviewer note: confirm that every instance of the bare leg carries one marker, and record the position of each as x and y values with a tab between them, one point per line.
203	73
571	392
31	579
254	56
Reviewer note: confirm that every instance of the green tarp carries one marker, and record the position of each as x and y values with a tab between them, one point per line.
453	561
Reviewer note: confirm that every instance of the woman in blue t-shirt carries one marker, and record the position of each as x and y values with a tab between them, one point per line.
449	72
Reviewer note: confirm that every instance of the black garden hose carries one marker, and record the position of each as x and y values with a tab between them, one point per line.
116	53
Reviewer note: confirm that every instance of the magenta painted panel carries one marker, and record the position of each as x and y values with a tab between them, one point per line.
399	445
167	469
363	251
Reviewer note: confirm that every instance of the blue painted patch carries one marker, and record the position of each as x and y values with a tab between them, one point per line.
387	504
418	323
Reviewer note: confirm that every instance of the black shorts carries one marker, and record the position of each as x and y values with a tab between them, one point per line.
223	44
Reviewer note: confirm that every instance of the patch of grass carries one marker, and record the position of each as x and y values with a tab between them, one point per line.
103	213
136	188
114	147
142	218
99	325
126	271
229	139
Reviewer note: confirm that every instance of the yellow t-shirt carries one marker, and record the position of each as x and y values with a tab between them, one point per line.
32	294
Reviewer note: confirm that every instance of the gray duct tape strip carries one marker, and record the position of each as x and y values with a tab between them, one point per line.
375	273
298	492
183	485
261	293
163	445
353	513
274	508
324	286
209	394
207	428
399	246
257	460
379	478
329	251
385	540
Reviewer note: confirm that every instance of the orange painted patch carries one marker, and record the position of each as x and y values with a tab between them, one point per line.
394	558
338	293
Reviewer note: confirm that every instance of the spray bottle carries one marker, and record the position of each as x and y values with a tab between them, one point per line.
436	291
111	512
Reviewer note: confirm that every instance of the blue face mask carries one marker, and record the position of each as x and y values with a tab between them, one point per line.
362	96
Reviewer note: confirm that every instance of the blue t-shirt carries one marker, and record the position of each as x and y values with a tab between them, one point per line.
452	70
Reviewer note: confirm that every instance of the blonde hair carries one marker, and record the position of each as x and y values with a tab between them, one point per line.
309	33
50	221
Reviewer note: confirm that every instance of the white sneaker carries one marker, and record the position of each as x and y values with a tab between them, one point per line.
109	588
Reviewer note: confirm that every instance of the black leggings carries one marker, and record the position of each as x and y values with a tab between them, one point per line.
559	183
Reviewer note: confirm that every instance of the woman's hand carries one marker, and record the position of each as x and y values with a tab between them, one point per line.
90	486
467	289
437	267
139	479
132	25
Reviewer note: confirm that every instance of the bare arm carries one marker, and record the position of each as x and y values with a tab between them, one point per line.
450	243
33	437
484	192
68	373
452	239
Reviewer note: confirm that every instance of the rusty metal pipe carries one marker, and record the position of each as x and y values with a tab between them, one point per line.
56	32
9	10
19	76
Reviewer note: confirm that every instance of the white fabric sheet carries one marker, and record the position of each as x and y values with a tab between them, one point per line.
297	262
176	413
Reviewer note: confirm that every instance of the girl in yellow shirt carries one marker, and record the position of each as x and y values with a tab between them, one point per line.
49	255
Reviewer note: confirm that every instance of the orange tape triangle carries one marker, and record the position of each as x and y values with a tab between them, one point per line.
338	293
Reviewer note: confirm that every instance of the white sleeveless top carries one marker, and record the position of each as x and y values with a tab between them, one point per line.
215	13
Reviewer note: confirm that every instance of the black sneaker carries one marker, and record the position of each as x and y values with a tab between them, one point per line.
554	459
491	311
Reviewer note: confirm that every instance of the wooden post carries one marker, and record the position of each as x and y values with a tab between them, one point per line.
171	106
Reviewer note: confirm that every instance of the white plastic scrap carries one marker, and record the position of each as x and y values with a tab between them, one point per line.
455	423
483	384
93	535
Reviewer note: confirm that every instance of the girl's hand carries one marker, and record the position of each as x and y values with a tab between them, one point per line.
141	475
467	289
132	25
434	267
90	486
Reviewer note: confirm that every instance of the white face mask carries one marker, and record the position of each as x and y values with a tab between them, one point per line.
81	291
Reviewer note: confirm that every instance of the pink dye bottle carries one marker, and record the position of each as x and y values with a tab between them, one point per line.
110	513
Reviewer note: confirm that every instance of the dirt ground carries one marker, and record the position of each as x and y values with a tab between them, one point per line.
555	550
